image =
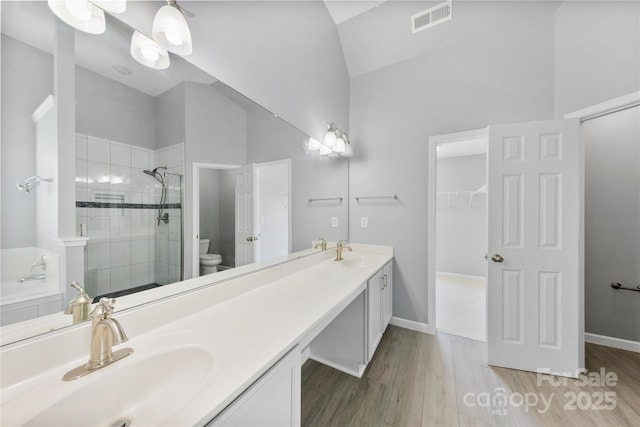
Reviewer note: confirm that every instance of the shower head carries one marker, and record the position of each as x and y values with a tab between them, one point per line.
154	173
28	184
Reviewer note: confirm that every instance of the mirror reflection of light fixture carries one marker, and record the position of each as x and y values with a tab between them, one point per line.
314	144
147	52
170	29
335	143
80	14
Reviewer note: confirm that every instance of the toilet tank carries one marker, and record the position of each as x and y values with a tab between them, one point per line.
204	246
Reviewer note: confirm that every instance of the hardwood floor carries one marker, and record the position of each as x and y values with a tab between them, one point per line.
417	379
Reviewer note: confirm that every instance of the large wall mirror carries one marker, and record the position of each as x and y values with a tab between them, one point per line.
169	165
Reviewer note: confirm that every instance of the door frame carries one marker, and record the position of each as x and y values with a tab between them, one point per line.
432	191
195	245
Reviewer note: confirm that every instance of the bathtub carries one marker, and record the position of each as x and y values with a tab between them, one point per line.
28	299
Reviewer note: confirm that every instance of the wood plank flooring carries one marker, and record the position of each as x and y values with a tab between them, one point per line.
417	379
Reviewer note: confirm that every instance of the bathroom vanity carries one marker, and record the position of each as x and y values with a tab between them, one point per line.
225	354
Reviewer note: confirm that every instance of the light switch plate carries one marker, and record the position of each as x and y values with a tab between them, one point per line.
364	222
334	221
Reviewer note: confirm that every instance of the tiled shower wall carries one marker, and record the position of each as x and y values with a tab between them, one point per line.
118	205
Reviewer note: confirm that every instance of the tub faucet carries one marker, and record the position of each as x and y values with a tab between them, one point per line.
322	245
105	332
342	244
42	262
30	277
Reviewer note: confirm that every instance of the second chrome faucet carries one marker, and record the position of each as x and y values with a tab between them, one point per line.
105	333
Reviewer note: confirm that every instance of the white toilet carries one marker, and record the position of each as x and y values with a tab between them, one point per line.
208	262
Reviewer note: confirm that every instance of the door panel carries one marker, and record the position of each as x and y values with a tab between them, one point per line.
534	283
244	215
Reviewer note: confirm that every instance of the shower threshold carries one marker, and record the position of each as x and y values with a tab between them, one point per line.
127	291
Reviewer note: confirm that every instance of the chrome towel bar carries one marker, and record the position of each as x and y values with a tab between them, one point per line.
616	285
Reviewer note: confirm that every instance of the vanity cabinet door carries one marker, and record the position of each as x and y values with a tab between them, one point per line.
273	400
387	294
374	312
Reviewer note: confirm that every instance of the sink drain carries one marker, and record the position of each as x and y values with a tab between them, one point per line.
121	423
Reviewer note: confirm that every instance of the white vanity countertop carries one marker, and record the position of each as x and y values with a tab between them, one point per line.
246	335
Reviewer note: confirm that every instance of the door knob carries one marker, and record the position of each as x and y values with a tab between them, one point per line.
497	258
249	239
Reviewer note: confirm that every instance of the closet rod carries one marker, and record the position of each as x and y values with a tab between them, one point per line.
339	199
616	285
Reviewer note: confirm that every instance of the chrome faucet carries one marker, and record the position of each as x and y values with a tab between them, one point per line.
105	332
42	262
342	244
30	277
322	245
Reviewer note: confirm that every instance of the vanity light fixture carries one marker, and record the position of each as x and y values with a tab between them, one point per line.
170	29
335	143
147	52
80	14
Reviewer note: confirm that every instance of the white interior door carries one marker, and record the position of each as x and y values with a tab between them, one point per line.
535	299
244	215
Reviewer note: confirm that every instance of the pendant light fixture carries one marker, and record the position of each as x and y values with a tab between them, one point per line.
80	14
170	29
147	52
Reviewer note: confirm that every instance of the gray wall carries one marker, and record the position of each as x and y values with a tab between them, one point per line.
612	224
215	132
170	117
113	111
596	52
27	79
495	77
461	240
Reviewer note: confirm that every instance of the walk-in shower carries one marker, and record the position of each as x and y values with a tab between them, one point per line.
129	204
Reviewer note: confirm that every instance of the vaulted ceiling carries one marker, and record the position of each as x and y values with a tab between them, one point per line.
377	34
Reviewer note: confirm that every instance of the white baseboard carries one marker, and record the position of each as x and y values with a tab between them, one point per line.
612	342
460	276
410	324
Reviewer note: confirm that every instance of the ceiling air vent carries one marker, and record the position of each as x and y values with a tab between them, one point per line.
433	16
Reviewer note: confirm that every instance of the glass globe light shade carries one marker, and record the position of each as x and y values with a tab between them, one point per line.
171	31
330	139
148	52
80	14
324	150
340	146
314	144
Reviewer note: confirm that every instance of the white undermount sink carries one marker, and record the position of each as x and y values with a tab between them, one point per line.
142	389
352	259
